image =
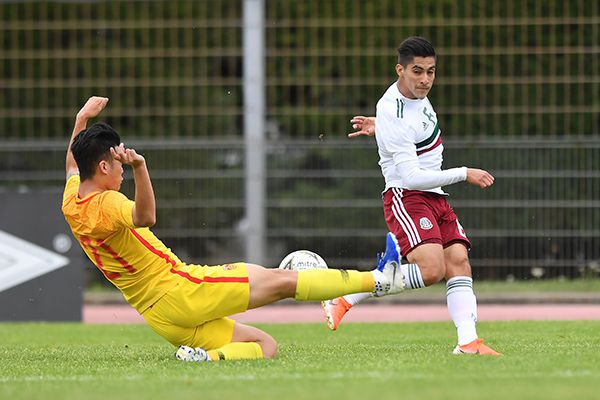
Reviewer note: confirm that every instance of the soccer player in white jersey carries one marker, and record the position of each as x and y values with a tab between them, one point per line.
428	233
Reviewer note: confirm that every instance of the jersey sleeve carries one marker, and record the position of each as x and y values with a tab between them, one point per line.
400	141
117	210
71	188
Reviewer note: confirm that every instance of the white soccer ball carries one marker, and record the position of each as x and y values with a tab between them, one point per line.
302	259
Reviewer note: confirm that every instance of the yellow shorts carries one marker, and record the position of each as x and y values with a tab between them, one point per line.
194	312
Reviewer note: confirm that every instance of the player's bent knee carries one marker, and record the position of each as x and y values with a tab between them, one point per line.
267	344
247	333
432	279
432	275
458	266
460	261
269	347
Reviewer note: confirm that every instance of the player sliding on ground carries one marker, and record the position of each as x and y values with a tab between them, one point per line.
188	305
429	235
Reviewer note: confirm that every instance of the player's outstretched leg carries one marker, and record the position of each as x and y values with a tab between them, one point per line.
389	266
336	309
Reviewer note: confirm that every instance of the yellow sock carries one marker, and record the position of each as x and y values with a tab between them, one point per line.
237	351
325	284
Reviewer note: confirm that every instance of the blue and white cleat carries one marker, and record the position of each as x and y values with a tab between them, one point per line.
191	354
388	264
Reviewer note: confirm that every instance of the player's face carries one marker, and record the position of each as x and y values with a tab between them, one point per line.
115	174
416	79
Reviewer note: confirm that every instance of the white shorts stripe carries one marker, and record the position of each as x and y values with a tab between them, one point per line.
408	225
398	199
411	239
401	219
405	225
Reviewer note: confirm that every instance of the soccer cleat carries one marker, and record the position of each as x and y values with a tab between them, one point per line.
186	353
389	265
334	311
475	347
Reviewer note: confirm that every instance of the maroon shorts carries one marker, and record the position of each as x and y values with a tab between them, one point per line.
417	217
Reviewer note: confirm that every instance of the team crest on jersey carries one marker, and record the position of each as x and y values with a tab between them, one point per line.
425	223
229	267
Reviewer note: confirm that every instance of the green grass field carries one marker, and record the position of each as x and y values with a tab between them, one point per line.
542	360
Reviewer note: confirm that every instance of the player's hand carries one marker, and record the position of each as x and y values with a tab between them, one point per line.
363	126
92	107
479	177
127	156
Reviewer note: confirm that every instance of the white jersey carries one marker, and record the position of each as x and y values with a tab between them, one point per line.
410	144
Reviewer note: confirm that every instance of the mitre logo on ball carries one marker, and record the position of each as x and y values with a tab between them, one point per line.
302	259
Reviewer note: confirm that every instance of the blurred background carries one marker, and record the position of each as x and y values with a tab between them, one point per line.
517	93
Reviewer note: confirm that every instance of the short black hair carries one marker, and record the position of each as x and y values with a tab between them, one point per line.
414	46
92	145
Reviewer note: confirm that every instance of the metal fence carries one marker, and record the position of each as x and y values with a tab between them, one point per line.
537	220
518	92
174	68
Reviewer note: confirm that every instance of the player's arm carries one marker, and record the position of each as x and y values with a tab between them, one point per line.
399	141
415	177
479	177
144	209
90	110
363	126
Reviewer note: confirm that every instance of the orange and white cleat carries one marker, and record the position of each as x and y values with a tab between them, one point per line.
476	347
334	311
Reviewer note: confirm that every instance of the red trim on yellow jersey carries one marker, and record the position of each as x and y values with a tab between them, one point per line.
182	273
117	257
211	279
87	242
86	199
152	248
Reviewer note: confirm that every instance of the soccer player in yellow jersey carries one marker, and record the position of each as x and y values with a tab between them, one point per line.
188	305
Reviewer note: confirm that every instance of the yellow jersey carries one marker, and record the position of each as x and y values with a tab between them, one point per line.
132	258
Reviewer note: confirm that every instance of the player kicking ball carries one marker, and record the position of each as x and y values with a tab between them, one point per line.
429	235
186	304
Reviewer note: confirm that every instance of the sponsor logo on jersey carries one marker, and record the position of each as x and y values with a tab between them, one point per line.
229	267
429	116
425	126
425	223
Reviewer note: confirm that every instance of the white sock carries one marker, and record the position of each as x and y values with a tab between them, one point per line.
411	274
356	298
462	306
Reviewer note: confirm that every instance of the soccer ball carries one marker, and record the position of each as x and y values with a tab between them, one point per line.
302	259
